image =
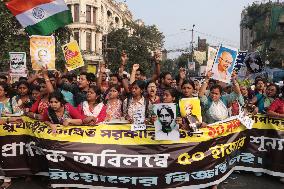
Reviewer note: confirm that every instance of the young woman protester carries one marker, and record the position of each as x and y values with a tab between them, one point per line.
93	109
23	99
4	98
60	113
216	105
136	101
41	104
152	93
113	104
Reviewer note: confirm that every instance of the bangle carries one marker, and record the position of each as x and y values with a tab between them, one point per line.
47	79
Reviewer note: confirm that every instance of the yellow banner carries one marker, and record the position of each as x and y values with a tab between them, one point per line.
122	134
72	56
42	50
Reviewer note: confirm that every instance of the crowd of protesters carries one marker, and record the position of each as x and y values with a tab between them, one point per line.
89	99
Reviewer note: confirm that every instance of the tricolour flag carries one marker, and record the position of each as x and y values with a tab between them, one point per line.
40	17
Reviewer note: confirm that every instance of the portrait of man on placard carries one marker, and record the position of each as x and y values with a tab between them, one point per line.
224	64
165	126
43	57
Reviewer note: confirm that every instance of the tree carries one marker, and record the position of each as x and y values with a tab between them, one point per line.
263	21
14	39
139	45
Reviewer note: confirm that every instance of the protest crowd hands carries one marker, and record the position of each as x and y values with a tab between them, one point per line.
135	67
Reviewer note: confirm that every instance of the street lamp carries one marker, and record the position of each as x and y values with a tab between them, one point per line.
192	42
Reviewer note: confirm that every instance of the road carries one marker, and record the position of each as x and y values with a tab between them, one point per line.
242	180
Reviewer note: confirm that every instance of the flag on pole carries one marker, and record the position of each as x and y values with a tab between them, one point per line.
40	17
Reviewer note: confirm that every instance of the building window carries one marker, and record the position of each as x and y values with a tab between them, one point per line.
88	14
89	41
109	14
94	15
70	8
77	37
116	20
76	12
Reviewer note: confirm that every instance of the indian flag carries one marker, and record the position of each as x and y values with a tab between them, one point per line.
40	17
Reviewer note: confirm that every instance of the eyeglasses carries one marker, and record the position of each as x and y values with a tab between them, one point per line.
227	61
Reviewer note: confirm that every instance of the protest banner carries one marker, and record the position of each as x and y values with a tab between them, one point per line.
114	156
18	63
224	63
72	56
42	50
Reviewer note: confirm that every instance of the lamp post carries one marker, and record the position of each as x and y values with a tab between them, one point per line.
192	35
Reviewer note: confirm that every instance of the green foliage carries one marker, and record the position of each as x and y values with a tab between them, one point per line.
137	45
14	39
259	19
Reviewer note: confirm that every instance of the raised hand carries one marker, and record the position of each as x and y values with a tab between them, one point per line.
157	56
135	67
123	57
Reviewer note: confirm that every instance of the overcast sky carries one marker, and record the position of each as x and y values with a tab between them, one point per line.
216	20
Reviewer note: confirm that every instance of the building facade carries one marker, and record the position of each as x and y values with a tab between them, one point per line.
93	19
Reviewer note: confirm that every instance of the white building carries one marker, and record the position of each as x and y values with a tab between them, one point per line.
92	19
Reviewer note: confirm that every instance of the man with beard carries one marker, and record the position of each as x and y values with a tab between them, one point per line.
165	83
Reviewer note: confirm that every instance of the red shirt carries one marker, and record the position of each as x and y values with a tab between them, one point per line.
277	106
69	113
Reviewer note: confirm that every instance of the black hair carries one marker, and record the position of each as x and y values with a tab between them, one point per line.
174	93
58	96
97	91
190	82
35	87
277	88
217	87
115	75
117	87
141	84
141	71
41	81
168	108
23	79
3	77
88	75
164	74
51	75
148	83
23	83
259	79
4	86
